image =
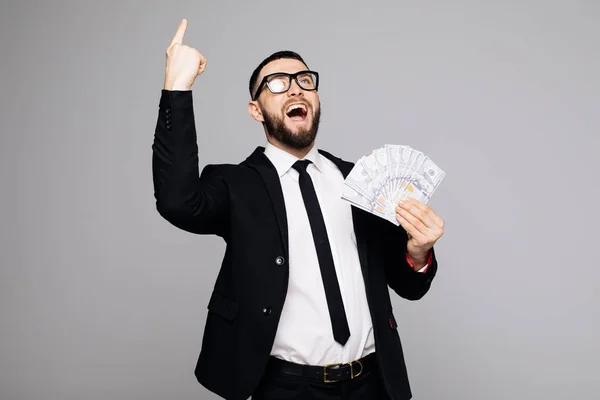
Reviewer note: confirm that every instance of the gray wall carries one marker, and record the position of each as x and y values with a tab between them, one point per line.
100	298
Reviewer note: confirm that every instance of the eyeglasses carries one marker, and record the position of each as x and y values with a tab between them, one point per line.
280	82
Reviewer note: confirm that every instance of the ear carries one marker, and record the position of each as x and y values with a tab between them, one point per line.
255	112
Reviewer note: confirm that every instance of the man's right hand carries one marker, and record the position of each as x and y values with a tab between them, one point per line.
184	63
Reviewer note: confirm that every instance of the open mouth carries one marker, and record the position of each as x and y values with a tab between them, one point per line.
297	112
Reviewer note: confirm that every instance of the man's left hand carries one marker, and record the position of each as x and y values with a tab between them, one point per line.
423	225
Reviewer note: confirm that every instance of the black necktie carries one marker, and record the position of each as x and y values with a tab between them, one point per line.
341	331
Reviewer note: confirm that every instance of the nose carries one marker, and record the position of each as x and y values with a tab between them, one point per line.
294	89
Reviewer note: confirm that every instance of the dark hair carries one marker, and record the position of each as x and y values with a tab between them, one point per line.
275	56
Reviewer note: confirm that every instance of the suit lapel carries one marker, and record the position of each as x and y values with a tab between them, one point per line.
261	163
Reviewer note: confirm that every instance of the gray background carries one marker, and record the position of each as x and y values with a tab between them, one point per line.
100	298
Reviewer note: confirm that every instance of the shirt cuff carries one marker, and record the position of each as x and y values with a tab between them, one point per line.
424	268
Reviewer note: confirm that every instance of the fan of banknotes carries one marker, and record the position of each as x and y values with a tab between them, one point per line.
388	175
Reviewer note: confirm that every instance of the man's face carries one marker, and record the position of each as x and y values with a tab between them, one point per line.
291	117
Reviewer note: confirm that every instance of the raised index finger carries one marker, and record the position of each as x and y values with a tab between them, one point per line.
178	37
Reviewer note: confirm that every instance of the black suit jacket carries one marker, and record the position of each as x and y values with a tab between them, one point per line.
243	204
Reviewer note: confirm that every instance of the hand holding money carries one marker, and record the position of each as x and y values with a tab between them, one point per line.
423	225
395	183
388	175
184	63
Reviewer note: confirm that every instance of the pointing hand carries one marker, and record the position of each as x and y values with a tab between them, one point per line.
184	63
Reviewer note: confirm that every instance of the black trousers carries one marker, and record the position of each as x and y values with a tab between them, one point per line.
279	384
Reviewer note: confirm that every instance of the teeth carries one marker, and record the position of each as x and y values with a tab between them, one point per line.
295	106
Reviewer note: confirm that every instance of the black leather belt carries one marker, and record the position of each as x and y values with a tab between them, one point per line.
326	373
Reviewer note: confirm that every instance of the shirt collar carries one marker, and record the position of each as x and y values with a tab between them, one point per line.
283	161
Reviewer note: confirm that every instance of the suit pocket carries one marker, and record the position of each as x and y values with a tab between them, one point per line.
223	306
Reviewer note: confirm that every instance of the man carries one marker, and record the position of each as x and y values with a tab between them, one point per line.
300	308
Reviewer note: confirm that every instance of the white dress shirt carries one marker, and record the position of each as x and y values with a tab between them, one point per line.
304	334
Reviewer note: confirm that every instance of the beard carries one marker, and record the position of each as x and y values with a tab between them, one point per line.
303	138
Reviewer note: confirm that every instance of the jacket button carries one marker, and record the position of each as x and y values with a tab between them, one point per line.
267	311
279	260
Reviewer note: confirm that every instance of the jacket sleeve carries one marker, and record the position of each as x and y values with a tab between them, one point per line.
190	201
401	277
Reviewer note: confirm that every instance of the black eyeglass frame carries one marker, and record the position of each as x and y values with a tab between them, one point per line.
290	76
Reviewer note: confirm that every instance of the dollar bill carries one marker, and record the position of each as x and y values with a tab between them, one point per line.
360	180
380	158
377	187
408	174
392	153
425	181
